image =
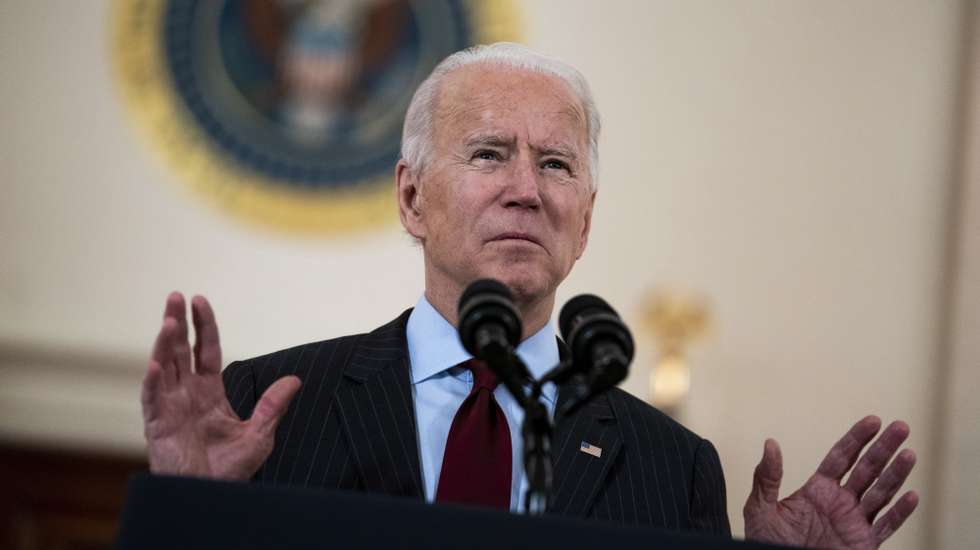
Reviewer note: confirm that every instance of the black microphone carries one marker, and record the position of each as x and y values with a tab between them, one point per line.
601	345
488	320
490	328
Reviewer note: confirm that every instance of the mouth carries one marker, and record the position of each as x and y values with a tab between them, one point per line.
516	236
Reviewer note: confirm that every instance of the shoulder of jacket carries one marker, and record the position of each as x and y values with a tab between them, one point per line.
626	403
394	329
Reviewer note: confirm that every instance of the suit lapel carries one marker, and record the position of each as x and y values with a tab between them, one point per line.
579	474
377	411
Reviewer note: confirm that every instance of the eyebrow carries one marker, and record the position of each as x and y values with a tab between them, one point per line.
492	140
558	151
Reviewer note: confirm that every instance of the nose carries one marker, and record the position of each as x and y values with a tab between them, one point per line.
523	189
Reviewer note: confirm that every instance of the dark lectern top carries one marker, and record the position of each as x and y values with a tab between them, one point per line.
172	513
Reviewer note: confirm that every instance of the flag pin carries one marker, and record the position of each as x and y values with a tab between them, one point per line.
591	449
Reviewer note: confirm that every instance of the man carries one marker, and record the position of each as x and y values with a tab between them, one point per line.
497	180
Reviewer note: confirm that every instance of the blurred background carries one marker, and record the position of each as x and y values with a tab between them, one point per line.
798	181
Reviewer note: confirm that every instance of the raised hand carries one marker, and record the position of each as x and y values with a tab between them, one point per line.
826	514
189	425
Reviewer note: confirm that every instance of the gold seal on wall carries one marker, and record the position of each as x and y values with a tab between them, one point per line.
289	113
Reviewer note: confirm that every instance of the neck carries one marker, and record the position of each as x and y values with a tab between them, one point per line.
535	313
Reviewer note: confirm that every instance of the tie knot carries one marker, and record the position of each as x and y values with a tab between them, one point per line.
483	377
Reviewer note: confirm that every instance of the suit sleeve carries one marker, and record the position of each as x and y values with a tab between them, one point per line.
239	381
709	508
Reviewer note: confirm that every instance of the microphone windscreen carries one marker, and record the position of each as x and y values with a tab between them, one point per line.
487	304
576	307
485	286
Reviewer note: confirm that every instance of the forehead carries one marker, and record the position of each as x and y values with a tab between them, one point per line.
486	97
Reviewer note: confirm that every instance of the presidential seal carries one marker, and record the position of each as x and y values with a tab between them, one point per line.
288	113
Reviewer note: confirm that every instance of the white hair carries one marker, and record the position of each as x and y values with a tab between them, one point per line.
417	134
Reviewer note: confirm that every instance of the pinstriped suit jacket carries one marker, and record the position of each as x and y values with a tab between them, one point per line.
352	426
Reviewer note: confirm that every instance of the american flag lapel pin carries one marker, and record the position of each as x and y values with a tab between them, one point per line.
590	449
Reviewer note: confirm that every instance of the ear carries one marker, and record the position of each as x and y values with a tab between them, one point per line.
586	225
409	200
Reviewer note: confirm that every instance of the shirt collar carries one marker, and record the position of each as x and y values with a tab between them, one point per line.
434	347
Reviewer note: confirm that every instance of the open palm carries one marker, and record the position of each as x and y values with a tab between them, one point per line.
826	514
189	425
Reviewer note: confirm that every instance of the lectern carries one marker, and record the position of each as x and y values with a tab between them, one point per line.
171	513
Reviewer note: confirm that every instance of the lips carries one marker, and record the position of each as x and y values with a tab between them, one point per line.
514	235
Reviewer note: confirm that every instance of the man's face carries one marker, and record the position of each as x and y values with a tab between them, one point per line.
506	193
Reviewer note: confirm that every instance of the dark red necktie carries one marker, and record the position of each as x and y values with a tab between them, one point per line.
477	463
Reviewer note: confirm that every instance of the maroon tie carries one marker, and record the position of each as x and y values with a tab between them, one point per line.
477	463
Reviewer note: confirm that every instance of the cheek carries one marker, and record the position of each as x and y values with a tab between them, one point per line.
574	227
464	207
449	220
433	202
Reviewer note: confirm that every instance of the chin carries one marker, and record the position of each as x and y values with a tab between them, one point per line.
527	285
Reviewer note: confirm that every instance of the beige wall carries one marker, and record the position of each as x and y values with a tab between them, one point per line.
791	160
958	429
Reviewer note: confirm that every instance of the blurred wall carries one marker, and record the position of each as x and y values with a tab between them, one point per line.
957	433
793	161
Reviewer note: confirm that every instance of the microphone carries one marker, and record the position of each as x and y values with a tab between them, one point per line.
601	346
490	328
488	320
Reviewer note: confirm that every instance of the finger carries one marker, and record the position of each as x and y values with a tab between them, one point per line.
874	461
272	405
768	474
844	453
896	516
163	352
207	344
177	310
150	392
888	484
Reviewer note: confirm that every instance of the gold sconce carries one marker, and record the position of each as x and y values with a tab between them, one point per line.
675	320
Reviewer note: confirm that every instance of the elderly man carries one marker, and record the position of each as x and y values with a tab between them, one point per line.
497	179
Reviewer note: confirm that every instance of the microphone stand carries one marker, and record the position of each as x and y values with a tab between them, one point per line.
536	429
538	426
536	432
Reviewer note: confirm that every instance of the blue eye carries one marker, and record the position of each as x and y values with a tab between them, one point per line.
555	165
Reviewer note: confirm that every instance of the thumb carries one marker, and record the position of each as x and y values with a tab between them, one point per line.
273	404
768	474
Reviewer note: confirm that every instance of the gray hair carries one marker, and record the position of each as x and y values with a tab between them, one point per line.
417	133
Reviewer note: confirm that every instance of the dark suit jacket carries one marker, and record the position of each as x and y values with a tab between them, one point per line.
352	426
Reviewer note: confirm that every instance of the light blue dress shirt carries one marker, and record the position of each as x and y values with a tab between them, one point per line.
439	387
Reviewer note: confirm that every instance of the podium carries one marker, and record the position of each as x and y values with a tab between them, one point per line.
168	513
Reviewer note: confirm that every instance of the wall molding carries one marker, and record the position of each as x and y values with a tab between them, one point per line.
59	396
